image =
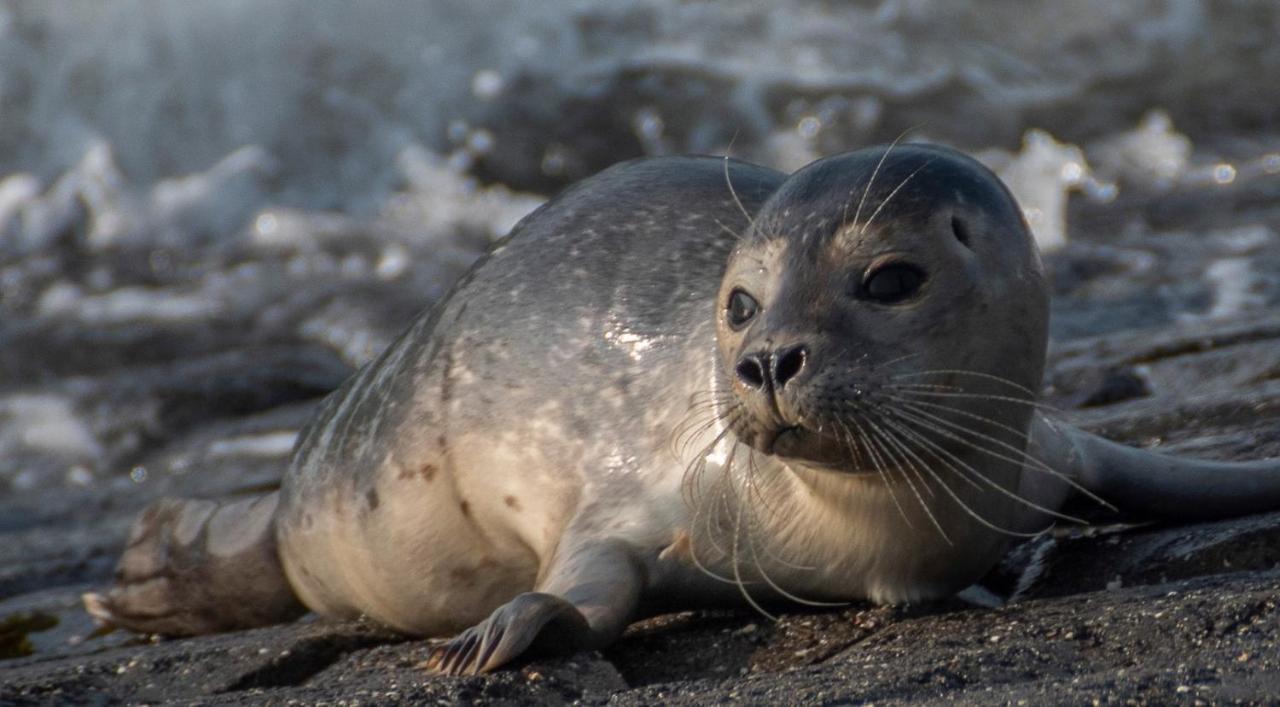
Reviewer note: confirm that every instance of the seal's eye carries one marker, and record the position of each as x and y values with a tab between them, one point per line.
741	308
892	283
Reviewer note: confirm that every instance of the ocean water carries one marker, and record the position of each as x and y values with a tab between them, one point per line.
211	212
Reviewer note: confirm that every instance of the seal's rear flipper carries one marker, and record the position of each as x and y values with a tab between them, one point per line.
1149	485
194	567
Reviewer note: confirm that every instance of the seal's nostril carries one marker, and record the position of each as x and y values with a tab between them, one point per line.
788	363
751	370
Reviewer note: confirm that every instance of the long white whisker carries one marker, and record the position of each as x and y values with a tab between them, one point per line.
769	581
1034	461
872	179
975	396
971	415
959	501
892	194
925	386
734	193
976	374
937	450
737	570
892	361
919	438
736	236
875	438
884	477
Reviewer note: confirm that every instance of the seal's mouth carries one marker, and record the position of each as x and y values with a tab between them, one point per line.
782	439
812	448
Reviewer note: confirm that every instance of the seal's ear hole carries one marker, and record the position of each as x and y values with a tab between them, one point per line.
961	231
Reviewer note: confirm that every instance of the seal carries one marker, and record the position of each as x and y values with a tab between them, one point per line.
682	382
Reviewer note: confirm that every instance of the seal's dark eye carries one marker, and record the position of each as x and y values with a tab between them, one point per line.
893	283
742	307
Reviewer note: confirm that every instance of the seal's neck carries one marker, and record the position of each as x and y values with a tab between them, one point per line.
839	536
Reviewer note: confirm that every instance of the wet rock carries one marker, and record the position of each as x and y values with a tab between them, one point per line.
15	630
1093	560
1118	384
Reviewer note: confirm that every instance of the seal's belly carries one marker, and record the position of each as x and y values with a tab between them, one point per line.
432	547
449	527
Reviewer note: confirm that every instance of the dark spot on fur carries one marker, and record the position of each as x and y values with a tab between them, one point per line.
463	575
466	508
512	502
307	521
442	442
428	472
372	497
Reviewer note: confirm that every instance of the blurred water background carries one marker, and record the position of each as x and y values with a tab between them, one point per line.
210	212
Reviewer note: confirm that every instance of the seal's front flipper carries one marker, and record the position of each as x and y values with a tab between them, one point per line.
587	598
193	567
509	631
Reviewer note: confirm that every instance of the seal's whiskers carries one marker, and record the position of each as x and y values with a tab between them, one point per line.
920	440
734	193
880	471
978	396
1023	456
926	386
764	574
872	179
960	501
876	433
970	415
975	374
946	457
892	194
737	566
736	236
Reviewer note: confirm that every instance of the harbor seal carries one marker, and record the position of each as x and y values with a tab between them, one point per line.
683	382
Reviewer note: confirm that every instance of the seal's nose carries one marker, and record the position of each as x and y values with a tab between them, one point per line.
788	363
762	370
751	370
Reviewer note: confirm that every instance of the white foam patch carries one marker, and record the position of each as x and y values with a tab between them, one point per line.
127	304
441	197
213	202
269	445
46	423
1235	288
1042	176
343	329
1153	154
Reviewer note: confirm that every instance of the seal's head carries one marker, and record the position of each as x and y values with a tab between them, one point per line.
875	294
